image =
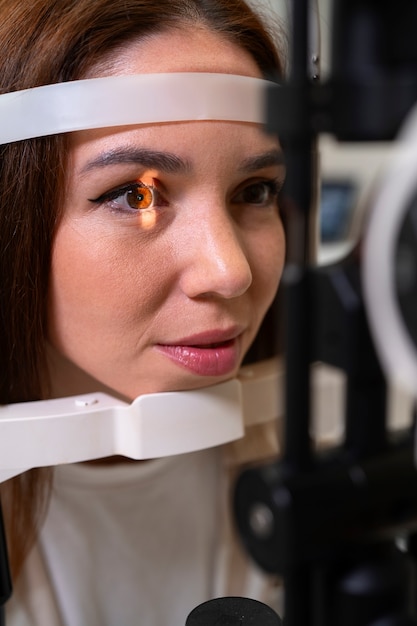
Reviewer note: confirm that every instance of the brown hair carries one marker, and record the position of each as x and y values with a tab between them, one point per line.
44	42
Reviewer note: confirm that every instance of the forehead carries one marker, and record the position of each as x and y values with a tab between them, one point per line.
176	75
185	49
204	146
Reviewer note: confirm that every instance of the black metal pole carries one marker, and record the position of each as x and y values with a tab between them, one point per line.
299	198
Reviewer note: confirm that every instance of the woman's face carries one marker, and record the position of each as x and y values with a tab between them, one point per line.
170	248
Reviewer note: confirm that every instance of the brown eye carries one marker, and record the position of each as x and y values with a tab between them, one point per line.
259	194
133	197
140	197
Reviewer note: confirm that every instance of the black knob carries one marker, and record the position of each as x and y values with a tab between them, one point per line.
233	612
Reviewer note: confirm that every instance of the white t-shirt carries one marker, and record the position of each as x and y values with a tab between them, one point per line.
130	545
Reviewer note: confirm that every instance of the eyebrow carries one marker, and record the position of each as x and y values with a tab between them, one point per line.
171	163
272	158
152	159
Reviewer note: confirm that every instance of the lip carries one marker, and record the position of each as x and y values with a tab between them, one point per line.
210	353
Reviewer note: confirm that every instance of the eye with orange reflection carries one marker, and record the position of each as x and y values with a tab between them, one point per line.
138	199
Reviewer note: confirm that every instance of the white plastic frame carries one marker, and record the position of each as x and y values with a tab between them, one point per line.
129	100
396	189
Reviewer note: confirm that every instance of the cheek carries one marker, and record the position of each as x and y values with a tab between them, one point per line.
268	254
95	287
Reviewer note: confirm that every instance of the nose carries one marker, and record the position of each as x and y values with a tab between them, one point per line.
216	261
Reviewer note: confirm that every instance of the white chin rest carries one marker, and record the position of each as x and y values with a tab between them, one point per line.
83	428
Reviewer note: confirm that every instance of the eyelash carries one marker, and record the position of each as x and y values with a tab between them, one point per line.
110	196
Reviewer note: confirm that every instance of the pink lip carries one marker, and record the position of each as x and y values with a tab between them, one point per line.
211	353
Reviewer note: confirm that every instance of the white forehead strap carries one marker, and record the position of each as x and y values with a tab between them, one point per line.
132	99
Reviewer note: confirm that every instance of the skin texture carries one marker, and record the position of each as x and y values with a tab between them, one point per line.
171	298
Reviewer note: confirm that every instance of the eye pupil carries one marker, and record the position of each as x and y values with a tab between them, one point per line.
140	198
258	193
